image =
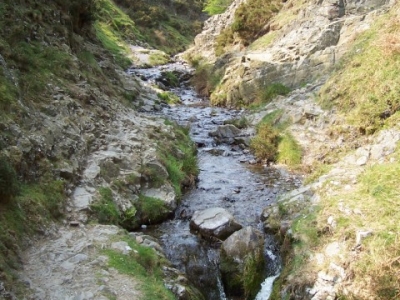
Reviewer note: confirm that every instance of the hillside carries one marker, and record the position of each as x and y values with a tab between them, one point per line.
75	148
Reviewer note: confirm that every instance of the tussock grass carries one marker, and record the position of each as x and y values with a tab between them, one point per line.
274	143
145	265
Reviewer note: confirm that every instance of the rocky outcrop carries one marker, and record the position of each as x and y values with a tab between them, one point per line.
204	42
303	50
214	223
242	263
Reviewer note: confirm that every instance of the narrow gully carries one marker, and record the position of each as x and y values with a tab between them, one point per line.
227	179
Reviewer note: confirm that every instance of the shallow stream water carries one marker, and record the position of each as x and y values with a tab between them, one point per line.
228	178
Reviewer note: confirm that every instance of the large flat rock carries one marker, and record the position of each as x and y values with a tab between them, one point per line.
214	222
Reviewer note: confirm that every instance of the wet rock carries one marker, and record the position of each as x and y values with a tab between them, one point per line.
180	286
214	222
242	257
226	134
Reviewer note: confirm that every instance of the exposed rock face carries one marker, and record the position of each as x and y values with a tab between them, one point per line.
214	222
242	262
303	50
204	42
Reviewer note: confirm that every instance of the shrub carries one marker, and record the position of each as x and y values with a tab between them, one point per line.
265	143
9	184
252	16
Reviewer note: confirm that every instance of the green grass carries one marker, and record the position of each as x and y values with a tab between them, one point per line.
289	151
264	41
145	266
178	155
215	7
25	215
365	87
113	43
240	123
274	143
9	183
169	97
371	205
105	210
152	210
159	58
206	79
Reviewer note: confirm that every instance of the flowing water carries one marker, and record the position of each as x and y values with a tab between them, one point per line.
228	178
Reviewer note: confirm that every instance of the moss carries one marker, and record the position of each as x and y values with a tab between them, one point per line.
243	279
152	210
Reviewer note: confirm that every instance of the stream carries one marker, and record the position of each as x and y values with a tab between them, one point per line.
228	178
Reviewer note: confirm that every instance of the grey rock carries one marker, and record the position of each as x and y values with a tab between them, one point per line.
242	247
214	222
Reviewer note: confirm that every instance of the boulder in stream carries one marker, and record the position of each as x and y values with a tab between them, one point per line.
242	263
214	222
225	133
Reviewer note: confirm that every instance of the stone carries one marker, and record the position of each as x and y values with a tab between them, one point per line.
121	246
242	256
225	133
214	222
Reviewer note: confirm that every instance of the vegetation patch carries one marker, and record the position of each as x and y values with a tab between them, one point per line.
165	25
371	206
28	209
274	143
9	183
365	87
249	23
215	7
145	265
178	155
105	209
268	93
152	210
158	58
169	97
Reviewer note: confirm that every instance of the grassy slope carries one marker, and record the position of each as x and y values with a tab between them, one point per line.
365	90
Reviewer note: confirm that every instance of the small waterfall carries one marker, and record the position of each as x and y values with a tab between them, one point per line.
222	295
266	288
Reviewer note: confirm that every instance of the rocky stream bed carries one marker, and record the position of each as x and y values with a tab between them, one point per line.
229	181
